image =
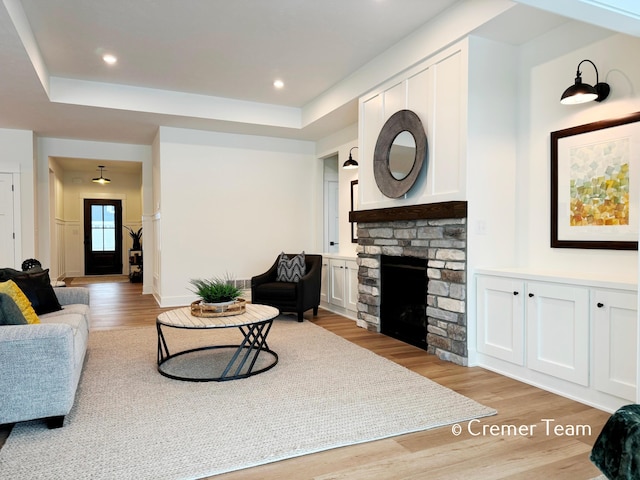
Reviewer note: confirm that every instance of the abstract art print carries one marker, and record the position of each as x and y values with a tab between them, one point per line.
594	185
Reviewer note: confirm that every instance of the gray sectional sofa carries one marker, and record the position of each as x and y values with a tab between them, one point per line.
41	363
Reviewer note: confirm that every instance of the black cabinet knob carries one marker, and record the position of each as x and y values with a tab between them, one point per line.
531	295
600	305
516	293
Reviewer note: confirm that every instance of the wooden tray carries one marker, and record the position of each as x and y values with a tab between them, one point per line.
237	308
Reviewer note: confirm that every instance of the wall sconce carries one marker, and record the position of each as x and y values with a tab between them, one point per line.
583	92
101	180
350	164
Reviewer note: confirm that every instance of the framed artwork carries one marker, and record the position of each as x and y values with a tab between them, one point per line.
594	185
354	207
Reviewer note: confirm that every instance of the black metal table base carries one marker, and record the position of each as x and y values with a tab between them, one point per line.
243	360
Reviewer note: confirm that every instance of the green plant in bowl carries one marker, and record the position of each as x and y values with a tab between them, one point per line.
216	290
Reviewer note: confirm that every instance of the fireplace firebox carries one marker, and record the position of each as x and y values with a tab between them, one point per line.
403	299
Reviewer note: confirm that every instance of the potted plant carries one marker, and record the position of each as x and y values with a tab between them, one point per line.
218	291
136	237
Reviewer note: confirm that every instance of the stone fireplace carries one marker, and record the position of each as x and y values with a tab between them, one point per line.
434	232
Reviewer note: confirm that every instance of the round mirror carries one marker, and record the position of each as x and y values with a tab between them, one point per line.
402	155
400	151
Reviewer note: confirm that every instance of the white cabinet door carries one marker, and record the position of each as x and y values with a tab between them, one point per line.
324	281
500	314
615	334
352	285
337	279
558	331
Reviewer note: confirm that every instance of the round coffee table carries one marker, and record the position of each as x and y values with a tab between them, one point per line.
238	361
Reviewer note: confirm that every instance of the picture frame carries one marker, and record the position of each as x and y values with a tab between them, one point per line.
354	207
594	185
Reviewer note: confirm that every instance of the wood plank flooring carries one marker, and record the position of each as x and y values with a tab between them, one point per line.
433	454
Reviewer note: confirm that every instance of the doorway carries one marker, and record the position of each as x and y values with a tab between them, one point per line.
331	205
8	255
102	237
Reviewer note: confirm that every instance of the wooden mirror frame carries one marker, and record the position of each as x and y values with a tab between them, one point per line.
403	120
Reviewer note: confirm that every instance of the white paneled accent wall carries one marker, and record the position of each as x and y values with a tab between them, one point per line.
436	91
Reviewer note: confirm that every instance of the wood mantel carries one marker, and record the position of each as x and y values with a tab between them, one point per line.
456	209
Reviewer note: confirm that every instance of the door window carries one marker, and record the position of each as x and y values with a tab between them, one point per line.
103	228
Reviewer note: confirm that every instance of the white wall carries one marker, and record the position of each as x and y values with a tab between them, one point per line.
545	72
231	204
18	158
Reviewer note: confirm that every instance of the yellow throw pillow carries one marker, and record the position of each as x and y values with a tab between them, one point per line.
10	288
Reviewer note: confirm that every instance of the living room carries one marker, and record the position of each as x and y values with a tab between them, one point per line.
235	200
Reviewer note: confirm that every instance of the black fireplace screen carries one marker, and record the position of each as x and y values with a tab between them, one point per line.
403	299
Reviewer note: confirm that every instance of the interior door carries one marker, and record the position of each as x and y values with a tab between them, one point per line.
333	217
102	237
7	240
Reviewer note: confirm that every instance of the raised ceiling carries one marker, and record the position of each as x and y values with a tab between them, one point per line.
205	64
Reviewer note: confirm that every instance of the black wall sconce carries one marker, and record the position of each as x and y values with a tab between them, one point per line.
350	163
583	92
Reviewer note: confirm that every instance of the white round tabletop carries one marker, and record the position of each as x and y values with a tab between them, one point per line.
182	318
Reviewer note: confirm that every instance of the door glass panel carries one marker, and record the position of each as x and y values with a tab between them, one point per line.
103	228
97	242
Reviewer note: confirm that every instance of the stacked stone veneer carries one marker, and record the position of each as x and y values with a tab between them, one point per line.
443	244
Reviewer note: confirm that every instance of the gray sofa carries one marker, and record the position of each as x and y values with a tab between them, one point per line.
41	364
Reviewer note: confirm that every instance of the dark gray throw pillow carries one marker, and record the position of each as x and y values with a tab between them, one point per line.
291	269
10	313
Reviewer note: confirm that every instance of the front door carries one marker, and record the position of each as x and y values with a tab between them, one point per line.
102	237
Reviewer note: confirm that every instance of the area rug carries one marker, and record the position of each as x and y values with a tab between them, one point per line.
99	279
130	422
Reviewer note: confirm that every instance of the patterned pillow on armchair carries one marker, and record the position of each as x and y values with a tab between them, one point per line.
291	270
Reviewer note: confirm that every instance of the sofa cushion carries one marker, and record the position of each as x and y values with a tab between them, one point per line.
10	313
36	285
291	269
80	308
10	288
277	291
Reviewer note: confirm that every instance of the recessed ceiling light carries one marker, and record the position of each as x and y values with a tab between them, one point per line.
109	59
278	84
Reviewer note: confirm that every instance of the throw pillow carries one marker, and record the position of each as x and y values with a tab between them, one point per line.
36	285
9	274
10	313
21	300
291	270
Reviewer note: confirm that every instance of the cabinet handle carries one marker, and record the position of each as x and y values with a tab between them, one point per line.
516	293
531	295
600	305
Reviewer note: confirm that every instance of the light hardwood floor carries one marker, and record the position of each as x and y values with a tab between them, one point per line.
432	454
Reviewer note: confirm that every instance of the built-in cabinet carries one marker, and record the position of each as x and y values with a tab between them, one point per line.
615	347
574	337
339	289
